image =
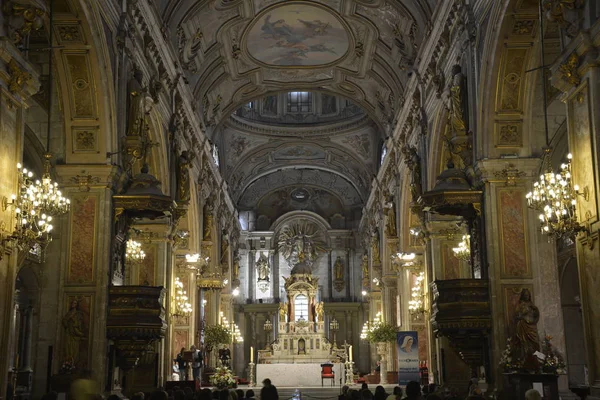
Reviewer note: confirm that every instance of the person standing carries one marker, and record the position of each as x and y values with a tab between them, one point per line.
181	365
196	363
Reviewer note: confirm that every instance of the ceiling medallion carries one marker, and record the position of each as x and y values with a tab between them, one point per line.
297	34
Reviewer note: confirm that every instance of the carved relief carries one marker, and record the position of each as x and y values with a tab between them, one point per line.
76	327
70	33
523	27
17	77
509	135
511	80
568	70
513	240
83	240
83	96
84	140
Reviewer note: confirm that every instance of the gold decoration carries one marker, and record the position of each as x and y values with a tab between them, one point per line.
84	181
32	19
568	70
208	220
510	135
510	173
17	77
301	241
85	140
69	33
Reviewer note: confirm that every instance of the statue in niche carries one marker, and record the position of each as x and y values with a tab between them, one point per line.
526	339
262	267
364	265
390	223
139	105
225	252
456	102
236	266
208	219
338	269
74	327
413	162
319	311
283	312
375	246
183	176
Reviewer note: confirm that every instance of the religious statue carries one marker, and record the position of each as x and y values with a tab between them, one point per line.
375	247
183	176
456	102
338	269
262	267
208	219
413	162
527	315
139	107
301	242
390	225
236	266
225	252
282	312
224	356
74	327
319	311
364	265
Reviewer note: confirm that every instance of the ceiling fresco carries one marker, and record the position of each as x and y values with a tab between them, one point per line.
297	34
242	58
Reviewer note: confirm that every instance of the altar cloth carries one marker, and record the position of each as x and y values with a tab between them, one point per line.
297	375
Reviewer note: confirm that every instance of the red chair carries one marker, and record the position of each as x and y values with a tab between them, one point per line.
327	373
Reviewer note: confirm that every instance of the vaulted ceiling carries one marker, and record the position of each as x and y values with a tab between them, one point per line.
243	57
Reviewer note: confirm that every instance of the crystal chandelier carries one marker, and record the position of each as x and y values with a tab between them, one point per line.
134	252
181	306
415	304
554	195
33	218
463	251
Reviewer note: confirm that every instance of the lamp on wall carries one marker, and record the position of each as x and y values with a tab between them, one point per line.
134	253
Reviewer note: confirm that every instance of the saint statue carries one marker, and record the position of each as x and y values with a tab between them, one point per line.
456	102
338	269
364	265
139	105
527	315
74	327
262	266
319	311
282	312
208	220
375	247
236	266
183	176
225	252
413	162
390	226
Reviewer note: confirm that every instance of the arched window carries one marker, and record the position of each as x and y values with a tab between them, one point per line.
301	307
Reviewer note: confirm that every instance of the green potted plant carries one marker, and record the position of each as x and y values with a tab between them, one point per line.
382	333
215	335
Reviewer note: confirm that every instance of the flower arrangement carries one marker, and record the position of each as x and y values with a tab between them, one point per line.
381	332
554	362
222	378
507	361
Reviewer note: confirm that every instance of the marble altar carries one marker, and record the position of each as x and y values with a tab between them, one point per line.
297	375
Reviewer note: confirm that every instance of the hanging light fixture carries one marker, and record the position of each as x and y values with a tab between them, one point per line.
181	306
463	251
554	195
134	252
415	304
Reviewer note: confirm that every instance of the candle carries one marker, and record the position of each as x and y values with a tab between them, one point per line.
350	353
251	354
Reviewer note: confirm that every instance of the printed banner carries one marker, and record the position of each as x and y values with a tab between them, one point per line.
408	357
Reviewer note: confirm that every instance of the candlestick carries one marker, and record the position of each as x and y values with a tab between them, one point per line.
251	374
251	354
350	353
349	373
